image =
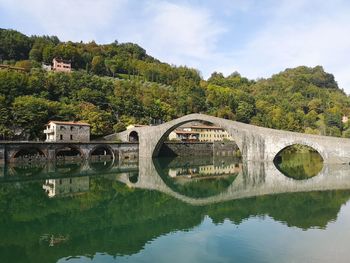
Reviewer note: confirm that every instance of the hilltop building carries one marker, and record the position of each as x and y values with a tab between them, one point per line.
61	65
46	67
63	131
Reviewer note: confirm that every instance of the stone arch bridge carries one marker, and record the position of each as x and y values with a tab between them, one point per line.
50	150
256	143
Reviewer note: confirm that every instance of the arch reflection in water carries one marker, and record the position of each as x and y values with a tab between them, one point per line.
299	162
110	218
198	177
101	166
26	169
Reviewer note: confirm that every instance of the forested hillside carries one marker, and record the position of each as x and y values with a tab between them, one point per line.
117	84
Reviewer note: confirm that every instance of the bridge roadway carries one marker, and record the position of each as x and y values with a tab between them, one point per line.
256	143
256	179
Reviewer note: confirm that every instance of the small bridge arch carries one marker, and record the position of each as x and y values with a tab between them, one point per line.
102	150
29	153
69	151
318	148
133	136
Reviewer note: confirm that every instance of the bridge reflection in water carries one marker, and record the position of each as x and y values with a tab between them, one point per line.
195	181
85	208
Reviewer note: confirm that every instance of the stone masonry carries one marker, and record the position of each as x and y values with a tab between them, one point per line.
255	143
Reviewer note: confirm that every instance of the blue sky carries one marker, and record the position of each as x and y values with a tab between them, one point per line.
254	37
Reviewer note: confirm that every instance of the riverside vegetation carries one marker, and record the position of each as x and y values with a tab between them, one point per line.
117	84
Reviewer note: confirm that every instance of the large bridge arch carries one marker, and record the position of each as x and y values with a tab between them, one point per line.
152	138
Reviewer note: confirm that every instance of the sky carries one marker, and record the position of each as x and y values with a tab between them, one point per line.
257	38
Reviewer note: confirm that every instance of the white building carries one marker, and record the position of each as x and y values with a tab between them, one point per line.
63	131
46	67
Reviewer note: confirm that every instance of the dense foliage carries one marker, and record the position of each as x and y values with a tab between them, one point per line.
117	84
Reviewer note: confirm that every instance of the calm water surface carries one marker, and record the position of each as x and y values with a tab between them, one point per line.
175	210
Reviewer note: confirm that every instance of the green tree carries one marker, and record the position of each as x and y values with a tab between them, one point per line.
4	119
98	65
99	120
14	45
30	114
244	111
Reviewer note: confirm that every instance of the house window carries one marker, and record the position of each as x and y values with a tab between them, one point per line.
71	128
71	137
61	137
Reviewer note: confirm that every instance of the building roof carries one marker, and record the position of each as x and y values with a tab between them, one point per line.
185	132
62	60
203	127
70	123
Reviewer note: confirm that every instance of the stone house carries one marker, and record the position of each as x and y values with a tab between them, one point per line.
63	131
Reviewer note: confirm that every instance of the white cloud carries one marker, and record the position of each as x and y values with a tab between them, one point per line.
69	19
180	33
294	37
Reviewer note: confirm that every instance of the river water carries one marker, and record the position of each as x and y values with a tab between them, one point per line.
175	210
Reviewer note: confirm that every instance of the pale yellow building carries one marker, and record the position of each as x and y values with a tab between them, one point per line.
201	133
64	131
